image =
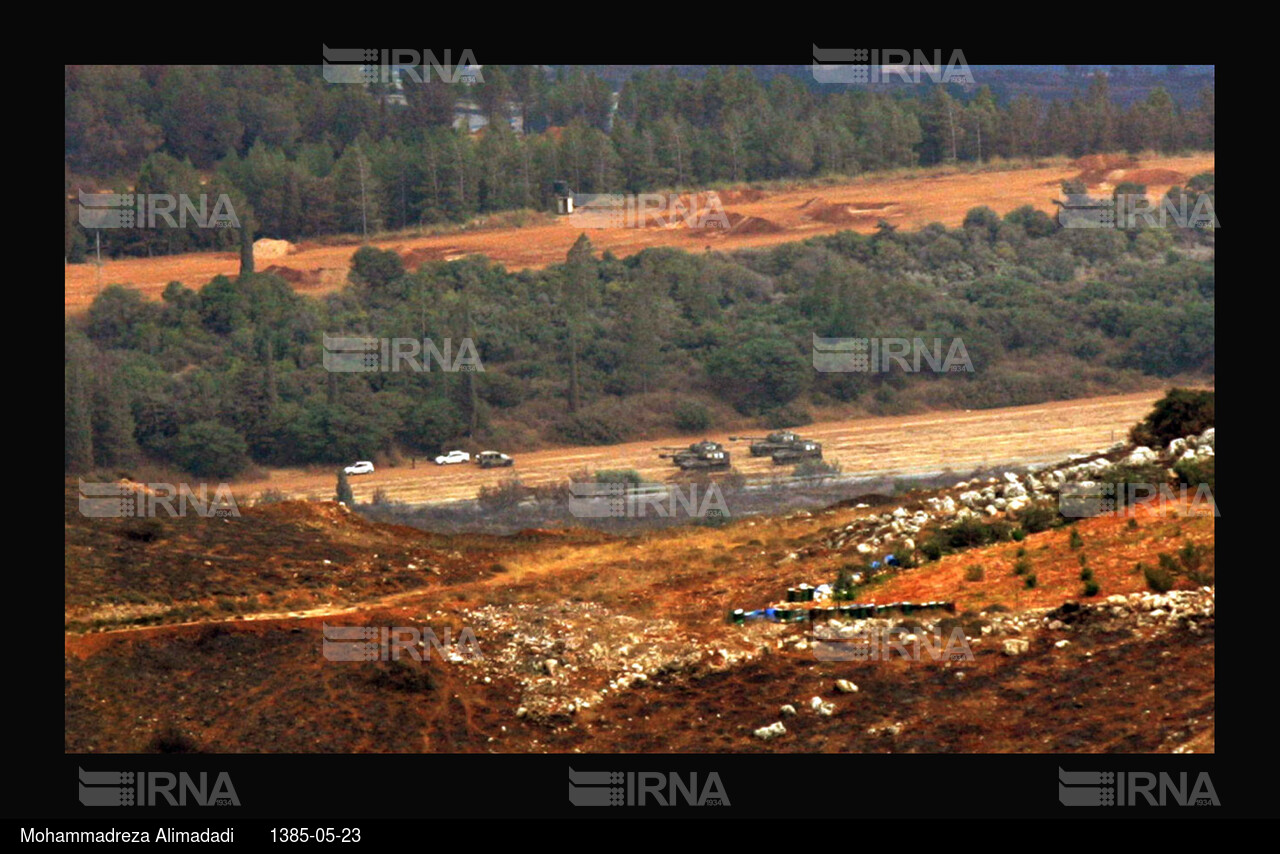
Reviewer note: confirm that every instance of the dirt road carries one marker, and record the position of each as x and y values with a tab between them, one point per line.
899	445
761	218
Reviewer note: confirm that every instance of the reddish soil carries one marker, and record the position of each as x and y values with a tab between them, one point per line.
234	685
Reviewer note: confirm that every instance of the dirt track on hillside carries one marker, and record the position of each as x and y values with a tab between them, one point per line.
901	445
758	218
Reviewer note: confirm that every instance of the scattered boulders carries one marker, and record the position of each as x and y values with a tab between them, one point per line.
567	656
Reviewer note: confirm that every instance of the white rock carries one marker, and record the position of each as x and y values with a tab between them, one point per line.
773	730
1015	646
1140	456
788	710
844	686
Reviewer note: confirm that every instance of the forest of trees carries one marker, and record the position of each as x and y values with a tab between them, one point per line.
300	157
214	380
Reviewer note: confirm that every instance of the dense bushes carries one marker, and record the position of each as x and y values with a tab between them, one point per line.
1195	472
234	374
1181	412
691	417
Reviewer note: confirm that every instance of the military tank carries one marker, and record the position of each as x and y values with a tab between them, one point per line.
798	451
700	455
784	446
767	445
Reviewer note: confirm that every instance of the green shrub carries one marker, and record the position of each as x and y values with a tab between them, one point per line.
1132	483
210	449
1197	562
1022	566
974	573
816	468
1039	516
1158	579
1133	524
503	495
1195	472
1181	412
1030	581
1075	540
630	477
970	532
591	428
691	417
1018	534
1086	574
787	416
1091	588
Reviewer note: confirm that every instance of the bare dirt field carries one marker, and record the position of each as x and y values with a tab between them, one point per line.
903	445
758	218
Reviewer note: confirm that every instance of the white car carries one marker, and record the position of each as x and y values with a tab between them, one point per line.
362	467
453	457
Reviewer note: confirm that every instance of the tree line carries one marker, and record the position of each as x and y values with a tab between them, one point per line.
300	157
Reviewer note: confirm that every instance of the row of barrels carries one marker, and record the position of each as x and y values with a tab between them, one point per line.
853	611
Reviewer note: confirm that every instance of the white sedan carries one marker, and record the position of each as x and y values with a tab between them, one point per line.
362	467
453	457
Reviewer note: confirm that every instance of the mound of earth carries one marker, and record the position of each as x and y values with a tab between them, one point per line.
417	257
1146	176
1104	162
1094	168
739	224
843	212
266	247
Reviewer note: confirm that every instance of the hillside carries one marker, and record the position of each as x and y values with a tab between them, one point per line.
580	641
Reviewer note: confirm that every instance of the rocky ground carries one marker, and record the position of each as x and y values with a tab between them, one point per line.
594	643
